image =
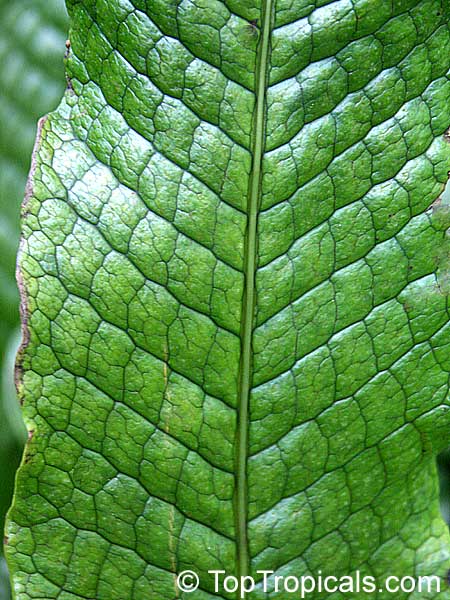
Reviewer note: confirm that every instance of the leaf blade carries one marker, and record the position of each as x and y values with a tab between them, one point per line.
144	328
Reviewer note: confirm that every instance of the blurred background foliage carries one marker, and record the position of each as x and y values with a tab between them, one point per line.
32	46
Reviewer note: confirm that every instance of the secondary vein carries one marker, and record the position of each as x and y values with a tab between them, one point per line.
248	308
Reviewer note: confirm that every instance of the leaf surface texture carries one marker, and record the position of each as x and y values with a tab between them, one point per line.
237	298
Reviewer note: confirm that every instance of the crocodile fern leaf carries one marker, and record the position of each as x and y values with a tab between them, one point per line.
234	280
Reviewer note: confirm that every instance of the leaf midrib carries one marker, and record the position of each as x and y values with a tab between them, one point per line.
248	306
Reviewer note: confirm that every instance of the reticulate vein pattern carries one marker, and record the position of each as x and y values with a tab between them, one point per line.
236	284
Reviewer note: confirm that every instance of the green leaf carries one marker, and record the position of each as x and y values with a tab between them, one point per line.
234	280
31	39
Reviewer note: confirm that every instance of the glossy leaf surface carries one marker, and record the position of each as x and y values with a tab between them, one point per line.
235	279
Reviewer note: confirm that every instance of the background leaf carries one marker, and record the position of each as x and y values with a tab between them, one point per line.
31	82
